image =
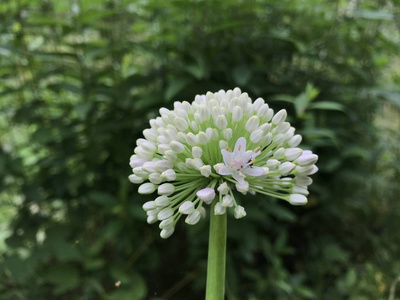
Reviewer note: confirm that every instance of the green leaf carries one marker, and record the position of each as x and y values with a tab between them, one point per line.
175	86
283	98
241	75
64	277
375	15
132	287
327	105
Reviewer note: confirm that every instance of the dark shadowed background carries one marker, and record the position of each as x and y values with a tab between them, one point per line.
80	80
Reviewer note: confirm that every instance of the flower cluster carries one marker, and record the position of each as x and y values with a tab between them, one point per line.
201	152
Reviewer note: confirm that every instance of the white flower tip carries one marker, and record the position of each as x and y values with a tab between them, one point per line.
219	209
207	195
223	188
297	199
242	187
217	167
227	201
239	212
147	188
167	232
193	218
186	207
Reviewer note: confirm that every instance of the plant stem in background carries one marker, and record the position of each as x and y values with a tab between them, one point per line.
215	289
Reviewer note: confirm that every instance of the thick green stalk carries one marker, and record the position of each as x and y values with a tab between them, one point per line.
215	289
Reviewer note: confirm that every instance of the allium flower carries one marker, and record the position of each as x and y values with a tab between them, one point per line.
201	152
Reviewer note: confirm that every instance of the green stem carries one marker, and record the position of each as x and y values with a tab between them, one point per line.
215	289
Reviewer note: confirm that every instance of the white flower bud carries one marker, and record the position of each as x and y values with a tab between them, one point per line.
279	117
149	166
155	178
166	189
256	136
207	195
283	128
135	179
304	170
162	201
237	114
279	153
314	170
265	127
166	223
221	122
181	137
192	139
279	139
197	152
272	164
202	137
300	190
227	201
293	153
203	212
197	163
181	124
177	147
227	133
223	144
162	139
164	111
223	188
143	153
295	140
205	170
269	115
252	123
147	188
219	209
242	187
163	165
258	103
162	148
286	168
267	139
186	207
297	199
168	175
262	112
149	205
204	113
303	180
146	145
307	159
167	232
150	135
152	219
193	218
218	166
135	161
171	155
165	213
239	212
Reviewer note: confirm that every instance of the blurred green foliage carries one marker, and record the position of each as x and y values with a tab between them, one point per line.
79	82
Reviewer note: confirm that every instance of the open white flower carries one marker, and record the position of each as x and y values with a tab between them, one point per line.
239	162
186	157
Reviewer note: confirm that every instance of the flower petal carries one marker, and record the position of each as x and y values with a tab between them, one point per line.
254	171
225	170
239	177
227	156
240	146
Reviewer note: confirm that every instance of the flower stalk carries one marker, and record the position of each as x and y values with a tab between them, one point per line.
215	289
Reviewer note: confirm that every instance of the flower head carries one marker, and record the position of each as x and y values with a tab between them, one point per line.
202	152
